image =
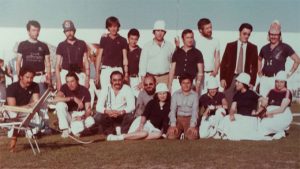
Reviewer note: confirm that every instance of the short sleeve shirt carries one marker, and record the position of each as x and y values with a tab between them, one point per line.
113	50
246	102
206	100
81	92
274	60
134	60
186	62
22	95
276	97
33	54
72	55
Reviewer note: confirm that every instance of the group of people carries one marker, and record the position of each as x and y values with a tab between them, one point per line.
158	91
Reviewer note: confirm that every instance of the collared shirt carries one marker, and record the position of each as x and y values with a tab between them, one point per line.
239	43
134	60
142	100
186	62
81	93
184	105
208	47
275	97
22	95
124	100
33	53
157	115
72	55
274	60
113	50
156	59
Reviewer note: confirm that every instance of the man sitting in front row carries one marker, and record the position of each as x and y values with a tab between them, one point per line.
115	106
73	107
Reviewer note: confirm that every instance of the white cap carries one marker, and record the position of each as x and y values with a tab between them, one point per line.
212	83
159	25
161	87
281	75
244	78
275	27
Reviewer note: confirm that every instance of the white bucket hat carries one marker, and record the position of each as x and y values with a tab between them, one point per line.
275	27
159	25
161	87
244	78
212	83
281	75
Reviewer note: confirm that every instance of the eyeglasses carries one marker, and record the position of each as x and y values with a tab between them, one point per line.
148	84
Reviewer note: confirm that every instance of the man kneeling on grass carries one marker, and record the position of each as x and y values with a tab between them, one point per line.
154	121
73	107
184	111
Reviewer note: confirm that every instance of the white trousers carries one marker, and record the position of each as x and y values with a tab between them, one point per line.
209	127
64	72
66	120
105	75
134	82
147	127
266	84
93	92
277	123
242	128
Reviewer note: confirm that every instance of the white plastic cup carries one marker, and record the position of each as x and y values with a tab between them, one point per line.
118	130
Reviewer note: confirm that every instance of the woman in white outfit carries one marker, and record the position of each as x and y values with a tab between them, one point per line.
242	122
215	105
154	122
278	115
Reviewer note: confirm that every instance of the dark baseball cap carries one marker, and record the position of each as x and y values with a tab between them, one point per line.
68	25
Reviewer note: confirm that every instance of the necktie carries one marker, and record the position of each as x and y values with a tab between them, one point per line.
239	68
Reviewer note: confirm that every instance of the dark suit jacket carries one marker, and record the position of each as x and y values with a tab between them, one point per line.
228	63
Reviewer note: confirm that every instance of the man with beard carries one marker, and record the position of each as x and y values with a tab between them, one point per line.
274	55
145	95
24	93
72	56
210	49
35	55
115	106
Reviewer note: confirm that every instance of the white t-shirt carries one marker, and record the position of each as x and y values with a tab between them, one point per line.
208	48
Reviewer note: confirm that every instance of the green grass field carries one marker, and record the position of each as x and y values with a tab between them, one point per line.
204	153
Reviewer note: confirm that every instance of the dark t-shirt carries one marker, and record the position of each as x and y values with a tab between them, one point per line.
206	100
246	102
72	55
113	50
134	60
186	62
33	54
276	97
157	116
274	60
81	92
22	96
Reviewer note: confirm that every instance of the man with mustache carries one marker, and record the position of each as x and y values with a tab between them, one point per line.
115	106
274	55
210	49
72	57
145	95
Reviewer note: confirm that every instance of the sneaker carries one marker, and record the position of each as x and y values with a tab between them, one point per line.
217	136
65	133
112	137
279	135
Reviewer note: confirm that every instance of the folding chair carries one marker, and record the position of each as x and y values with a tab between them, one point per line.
24	125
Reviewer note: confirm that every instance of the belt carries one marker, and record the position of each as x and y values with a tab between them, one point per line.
157	74
270	75
134	75
73	71
208	71
106	66
39	73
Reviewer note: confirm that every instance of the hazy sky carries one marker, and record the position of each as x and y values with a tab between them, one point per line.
178	14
